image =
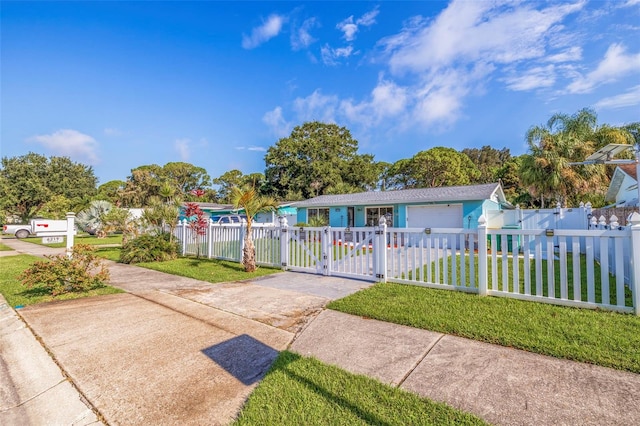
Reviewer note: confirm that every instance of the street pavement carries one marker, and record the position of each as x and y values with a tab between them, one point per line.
173	350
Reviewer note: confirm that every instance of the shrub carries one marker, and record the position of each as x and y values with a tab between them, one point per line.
317	221
83	271
149	248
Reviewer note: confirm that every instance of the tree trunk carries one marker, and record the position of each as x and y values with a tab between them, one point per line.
249	254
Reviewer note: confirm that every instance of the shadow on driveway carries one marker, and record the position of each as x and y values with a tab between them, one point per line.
244	357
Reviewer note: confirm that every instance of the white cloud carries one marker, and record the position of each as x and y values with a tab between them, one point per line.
316	107
331	56
70	143
466	32
534	78
439	98
269	29
571	54
615	64
387	100
276	122
444	60
250	148
182	146
631	3
301	38
350	27
623	100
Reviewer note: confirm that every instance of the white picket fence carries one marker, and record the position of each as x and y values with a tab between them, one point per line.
590	268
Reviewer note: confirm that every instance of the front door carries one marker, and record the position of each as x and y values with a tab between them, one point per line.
350	216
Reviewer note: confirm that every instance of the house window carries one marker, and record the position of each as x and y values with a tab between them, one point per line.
321	213
374	214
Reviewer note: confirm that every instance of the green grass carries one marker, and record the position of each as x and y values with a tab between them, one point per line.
5	248
544	290
304	391
593	336
210	270
80	239
17	294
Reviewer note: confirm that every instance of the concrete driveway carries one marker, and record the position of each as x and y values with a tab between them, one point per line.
174	350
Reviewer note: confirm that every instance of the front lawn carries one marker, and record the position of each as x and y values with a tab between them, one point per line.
598	337
210	270
304	391
17	294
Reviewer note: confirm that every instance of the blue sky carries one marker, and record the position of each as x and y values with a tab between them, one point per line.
117	85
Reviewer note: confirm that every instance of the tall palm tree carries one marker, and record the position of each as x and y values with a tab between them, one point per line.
564	139
248	199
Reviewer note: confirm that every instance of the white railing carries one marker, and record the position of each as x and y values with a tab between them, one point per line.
591	268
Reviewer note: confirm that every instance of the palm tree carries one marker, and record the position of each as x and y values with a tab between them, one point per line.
564	139
248	199
90	219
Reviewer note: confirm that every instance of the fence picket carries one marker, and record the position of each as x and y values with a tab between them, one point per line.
564	287
577	284
604	271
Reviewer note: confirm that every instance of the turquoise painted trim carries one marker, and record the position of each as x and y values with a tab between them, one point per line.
301	215
471	210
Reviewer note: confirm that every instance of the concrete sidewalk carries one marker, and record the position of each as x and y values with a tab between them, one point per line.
32	386
502	385
177	350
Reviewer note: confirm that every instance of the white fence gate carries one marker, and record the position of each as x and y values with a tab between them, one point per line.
592	268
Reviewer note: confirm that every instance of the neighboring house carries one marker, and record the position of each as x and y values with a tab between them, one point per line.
444	207
284	210
216	210
212	209
623	188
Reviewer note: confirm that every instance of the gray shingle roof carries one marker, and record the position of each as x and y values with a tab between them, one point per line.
419	195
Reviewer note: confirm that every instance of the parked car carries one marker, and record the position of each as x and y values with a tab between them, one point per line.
229	219
39	227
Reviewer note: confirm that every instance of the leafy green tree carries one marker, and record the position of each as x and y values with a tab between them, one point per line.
397	175
435	167
143	184
110	191
56	207
120	220
226	182
185	176
147	182
162	212
315	157
248	199
29	181
488	160
509	175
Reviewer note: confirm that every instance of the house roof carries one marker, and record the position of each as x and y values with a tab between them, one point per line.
418	195
618	178
629	169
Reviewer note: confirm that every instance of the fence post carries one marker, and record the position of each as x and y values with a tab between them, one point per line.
327	253
284	243
482	256
71	227
380	252
210	239
184	237
634	219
